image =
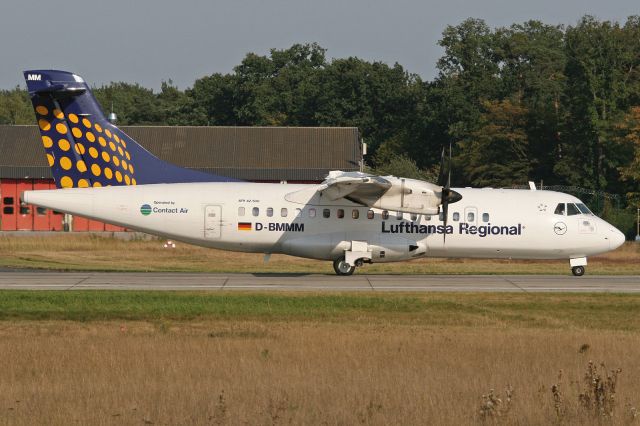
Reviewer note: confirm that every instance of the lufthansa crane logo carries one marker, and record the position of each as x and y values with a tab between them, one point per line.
560	228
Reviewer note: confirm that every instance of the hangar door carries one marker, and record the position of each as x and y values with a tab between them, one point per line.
212	221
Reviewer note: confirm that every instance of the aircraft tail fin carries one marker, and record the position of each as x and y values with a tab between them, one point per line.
83	148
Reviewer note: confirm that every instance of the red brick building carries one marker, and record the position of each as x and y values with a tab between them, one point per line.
258	154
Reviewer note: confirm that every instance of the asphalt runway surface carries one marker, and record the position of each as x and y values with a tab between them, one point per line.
36	280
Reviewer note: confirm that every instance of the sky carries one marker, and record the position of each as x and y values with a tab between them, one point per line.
149	42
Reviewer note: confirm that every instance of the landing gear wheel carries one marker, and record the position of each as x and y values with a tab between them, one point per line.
343	268
578	271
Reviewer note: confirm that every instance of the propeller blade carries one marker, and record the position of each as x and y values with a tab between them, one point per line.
449	168
442	169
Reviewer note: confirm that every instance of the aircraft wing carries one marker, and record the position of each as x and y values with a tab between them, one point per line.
354	185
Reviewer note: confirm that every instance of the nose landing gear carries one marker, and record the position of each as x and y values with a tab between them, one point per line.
578	266
577	271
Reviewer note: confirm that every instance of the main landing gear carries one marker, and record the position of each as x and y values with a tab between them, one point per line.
342	267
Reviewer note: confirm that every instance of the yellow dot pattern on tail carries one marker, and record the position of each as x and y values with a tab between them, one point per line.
84	153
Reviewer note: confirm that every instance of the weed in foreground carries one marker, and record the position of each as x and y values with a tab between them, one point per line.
599	394
493	406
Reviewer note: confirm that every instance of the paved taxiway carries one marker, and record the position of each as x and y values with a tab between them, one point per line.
33	280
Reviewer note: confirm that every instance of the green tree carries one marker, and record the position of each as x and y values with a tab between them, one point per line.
497	153
601	70
15	107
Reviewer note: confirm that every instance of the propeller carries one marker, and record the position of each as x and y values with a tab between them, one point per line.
448	196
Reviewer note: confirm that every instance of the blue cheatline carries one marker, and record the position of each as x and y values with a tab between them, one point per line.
84	149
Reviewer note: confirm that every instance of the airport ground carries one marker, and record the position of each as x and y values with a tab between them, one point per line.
87	252
164	357
101	357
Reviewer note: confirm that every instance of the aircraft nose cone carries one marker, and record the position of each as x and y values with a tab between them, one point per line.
616	239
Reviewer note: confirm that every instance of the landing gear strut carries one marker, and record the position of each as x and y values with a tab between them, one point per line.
578	271
342	267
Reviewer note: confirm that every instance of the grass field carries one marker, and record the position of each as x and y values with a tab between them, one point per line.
232	358
109	357
87	252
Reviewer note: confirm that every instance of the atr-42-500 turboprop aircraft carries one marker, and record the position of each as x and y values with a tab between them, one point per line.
350	218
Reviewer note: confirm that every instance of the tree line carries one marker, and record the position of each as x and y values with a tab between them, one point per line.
552	103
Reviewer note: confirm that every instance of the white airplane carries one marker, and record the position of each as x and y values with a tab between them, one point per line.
350	219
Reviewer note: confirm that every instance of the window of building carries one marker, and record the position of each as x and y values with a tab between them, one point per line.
255	211
456	216
41	211
572	210
312	212
385	214
560	209
485	217
370	214
8	200
355	214
284	212
414	217
471	217
340	213
399	215
240	211
7	210
269	211
326	213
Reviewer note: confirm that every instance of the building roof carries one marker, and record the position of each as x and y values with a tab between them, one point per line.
248	153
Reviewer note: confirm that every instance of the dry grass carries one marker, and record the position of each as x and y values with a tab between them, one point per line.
86	252
245	372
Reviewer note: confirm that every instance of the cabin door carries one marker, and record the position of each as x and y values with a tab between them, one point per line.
212	221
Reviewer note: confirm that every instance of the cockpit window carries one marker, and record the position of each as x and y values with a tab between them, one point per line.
584	209
560	209
572	210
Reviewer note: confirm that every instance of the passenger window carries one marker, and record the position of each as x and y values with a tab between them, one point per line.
385	214
8	200
7	210
312	212
284	212
326	213
41	211
240	211
471	217
269	211
370	214
255	211
441	217
298	212
560	209
399	215
572	210
340	213
355	214
485	217
456	216
25	210
414	217
428	217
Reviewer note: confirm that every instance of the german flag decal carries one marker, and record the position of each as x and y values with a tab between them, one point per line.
244	226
